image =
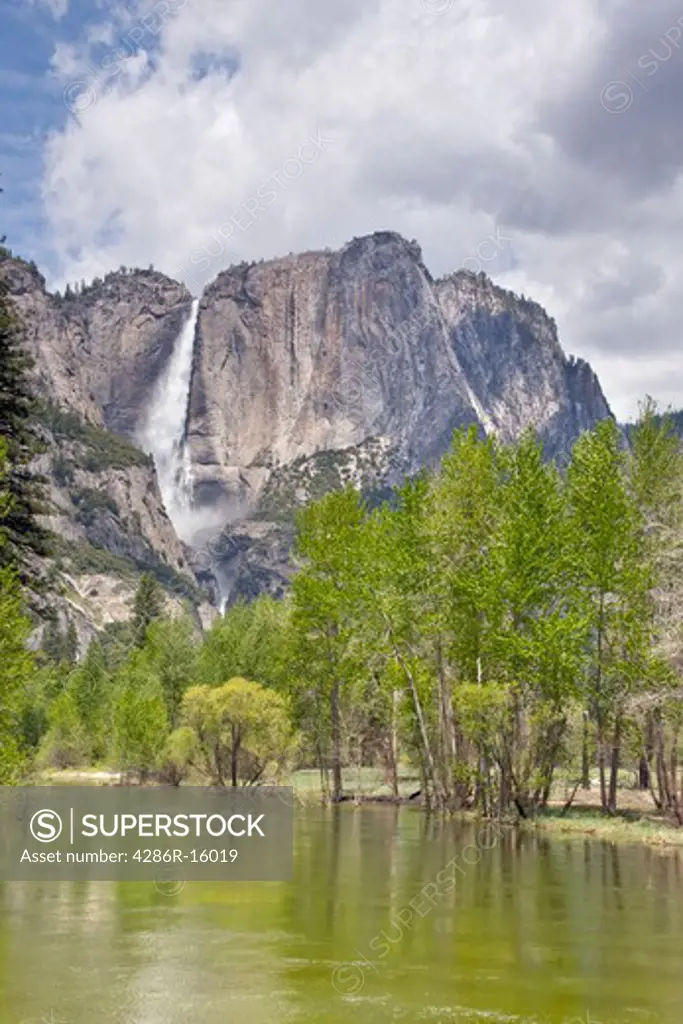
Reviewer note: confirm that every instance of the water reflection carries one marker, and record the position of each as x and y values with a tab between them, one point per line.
532	930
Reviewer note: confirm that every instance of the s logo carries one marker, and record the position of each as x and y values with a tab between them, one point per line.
46	826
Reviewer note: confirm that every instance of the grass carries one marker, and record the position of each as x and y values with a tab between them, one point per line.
625	826
638	822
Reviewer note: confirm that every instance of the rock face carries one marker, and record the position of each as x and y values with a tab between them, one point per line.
97	355
110	526
516	372
326	351
307	372
99	351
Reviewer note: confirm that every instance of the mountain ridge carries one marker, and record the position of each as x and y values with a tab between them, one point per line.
307	371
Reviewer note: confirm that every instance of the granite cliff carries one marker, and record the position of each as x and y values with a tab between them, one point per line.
355	366
302	373
361	352
100	349
96	352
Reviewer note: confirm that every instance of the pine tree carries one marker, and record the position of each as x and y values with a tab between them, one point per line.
52	642
148	606
18	427
71	645
16	663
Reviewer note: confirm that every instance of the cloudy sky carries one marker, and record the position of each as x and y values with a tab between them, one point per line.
541	140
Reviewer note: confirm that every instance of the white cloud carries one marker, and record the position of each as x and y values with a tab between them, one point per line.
444	126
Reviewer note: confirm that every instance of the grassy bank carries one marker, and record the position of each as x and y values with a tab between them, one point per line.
637	822
628	826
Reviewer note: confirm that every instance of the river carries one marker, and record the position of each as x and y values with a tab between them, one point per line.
534	929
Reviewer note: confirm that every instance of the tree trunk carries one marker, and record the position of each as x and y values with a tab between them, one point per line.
322	767
463	788
335	714
602	765
643	774
662	772
585	758
430	768
448	748
615	761
673	768
393	742
218	760
600	717
234	754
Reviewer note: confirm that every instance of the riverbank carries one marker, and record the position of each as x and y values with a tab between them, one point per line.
626	826
636	822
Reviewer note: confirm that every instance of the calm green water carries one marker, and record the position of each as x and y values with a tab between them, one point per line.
535	930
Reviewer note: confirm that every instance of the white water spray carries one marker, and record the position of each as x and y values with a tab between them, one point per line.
163	432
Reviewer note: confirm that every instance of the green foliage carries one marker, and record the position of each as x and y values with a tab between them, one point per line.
139	720
170	651
66	743
613	571
59	647
177	756
148	605
33	707
16	663
248	641
326	607
465	626
102	449
89	502
18	427
242	730
16	667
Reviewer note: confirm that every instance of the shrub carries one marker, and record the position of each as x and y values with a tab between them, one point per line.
103	449
89	502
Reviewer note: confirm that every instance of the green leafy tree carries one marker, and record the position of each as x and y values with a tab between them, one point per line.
656	478
393	580
91	685
52	642
71	644
613	574
16	662
325	609
139	720
242	730
178	755
148	606
66	743
463	525
248	641
171	652
58	647
541	637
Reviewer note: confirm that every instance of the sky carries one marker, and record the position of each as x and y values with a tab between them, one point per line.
539	141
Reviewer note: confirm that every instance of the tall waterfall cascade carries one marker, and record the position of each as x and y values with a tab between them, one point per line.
163	431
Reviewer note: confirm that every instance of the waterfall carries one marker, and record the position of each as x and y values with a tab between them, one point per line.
163	431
